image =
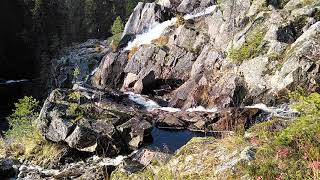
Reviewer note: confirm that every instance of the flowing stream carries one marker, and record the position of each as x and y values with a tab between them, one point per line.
282	111
157	30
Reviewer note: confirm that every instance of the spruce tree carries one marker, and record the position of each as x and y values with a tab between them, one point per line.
116	29
117	26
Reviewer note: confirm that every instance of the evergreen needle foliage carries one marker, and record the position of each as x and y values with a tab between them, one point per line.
117	29
22	120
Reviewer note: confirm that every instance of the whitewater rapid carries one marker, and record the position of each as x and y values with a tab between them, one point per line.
156	31
151	105
282	111
14	81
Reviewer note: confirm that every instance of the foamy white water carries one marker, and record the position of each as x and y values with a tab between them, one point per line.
153	33
156	31
170	109
282	111
201	109
145	102
14	81
151	105
207	11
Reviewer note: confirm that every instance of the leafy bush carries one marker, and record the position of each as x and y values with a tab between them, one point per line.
250	49
76	72
75	96
76	110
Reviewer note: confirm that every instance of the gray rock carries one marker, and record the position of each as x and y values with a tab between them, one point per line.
134	131
111	71
147	156
188	6
144	16
83	58
91	127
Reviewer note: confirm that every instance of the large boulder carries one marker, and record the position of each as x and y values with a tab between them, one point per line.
92	122
149	67
301	66
110	72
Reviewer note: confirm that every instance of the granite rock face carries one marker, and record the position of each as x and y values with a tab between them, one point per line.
204	60
77	63
91	124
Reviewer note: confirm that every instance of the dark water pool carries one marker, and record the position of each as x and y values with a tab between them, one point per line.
167	140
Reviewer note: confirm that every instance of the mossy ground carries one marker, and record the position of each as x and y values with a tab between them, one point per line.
251	48
288	149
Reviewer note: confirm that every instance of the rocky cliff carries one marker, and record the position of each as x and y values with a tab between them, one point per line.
201	66
240	53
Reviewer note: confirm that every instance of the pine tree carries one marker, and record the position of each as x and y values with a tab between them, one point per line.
116	29
117	26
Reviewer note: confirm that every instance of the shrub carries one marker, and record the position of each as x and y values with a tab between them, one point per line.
75	96
117	26
249	49
76	72
24	139
75	110
21	122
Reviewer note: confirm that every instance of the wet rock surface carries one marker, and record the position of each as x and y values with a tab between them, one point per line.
77	63
228	119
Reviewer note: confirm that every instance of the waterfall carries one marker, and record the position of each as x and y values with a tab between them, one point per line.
145	102
282	111
151	105
156	31
13	81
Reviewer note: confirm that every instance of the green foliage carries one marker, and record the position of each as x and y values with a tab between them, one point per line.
289	150
75	110
75	96
76	72
24	139
117	26
117	29
249	49
22	120
308	105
